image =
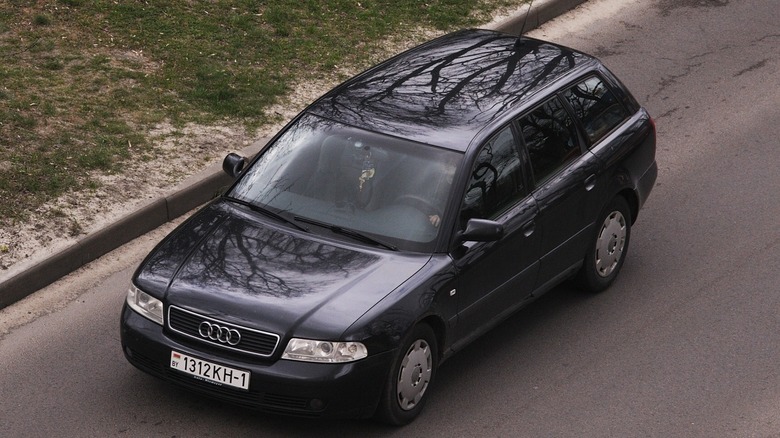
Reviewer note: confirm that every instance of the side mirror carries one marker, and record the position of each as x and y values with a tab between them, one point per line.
481	230
233	164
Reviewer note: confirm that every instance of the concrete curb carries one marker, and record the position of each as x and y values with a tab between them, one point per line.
541	12
193	192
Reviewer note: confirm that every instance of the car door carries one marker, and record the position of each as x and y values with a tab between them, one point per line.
565	178
495	278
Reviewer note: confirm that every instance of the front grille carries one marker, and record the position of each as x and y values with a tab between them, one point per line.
286	402
254	342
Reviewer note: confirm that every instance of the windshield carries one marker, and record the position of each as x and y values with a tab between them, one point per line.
391	189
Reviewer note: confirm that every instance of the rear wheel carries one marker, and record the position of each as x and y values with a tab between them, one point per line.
609	247
410	378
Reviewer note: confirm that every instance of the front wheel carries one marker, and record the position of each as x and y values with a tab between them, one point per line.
410	378
608	250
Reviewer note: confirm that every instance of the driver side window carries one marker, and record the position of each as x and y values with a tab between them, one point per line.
496	180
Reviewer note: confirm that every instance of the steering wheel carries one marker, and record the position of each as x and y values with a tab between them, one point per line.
417	202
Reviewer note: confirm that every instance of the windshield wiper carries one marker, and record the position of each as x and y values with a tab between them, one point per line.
266	212
346	232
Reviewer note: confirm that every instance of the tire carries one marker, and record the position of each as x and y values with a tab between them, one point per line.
410	378
608	250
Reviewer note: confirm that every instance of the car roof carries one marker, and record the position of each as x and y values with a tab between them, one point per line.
445	91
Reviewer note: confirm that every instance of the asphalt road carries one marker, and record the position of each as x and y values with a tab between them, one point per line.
686	343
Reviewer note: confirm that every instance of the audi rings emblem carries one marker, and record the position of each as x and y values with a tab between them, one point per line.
221	334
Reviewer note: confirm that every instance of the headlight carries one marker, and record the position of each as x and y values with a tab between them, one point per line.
145	304
307	350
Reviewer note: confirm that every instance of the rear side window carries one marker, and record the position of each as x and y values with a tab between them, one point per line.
596	106
550	137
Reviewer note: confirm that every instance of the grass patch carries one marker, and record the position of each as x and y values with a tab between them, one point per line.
42	20
83	82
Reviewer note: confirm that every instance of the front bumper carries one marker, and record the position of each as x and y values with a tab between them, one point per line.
276	386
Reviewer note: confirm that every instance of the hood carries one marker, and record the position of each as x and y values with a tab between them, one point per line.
230	264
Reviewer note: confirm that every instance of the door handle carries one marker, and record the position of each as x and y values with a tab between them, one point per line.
590	182
529	228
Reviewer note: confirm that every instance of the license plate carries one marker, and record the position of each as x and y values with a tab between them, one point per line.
209	371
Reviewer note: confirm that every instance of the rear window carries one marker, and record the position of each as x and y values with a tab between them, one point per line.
596	106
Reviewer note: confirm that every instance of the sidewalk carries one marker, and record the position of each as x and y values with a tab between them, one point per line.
192	192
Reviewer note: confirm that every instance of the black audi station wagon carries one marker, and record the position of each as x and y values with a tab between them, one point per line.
396	219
